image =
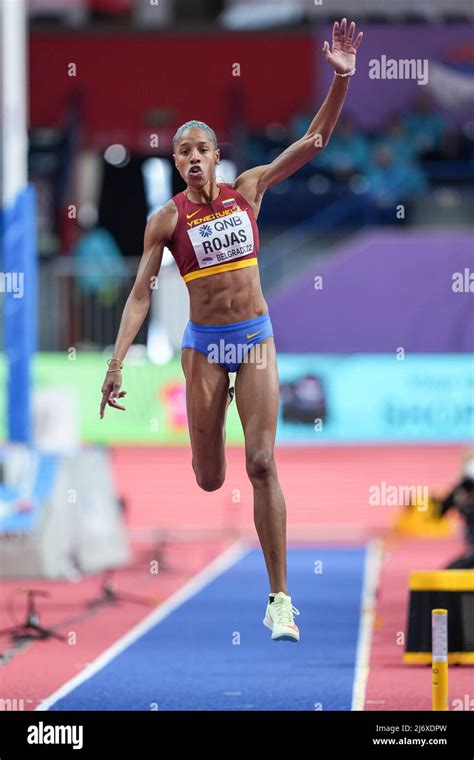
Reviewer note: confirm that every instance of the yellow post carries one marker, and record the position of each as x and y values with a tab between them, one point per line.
439	658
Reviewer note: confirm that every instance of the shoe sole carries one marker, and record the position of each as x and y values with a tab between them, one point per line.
284	637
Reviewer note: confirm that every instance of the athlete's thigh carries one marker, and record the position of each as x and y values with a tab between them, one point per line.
207	386
257	392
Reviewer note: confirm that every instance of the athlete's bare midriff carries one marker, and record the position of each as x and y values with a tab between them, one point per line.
221	299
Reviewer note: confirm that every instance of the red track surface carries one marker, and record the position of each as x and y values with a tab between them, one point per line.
326	491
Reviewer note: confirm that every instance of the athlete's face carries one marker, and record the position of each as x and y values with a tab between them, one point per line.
195	157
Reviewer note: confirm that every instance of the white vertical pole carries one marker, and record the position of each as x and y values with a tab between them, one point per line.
440	649
14	99
19	256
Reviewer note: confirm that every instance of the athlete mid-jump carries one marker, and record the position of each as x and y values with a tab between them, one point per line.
211	231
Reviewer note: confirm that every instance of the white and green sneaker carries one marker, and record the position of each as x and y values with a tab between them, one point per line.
279	618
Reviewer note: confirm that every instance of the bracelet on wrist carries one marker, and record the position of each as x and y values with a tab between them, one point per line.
349	73
117	369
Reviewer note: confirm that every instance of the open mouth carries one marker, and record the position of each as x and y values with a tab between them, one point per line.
195	170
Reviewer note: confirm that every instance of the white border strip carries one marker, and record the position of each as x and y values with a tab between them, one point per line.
219	565
13	99
372	569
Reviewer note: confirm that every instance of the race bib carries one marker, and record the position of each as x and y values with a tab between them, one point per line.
222	240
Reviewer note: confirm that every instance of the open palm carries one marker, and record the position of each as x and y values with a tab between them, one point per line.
342	55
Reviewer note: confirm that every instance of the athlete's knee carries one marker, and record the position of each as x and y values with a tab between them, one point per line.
210	481
210	484
260	463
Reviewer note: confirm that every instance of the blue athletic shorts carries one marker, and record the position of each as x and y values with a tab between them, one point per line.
227	345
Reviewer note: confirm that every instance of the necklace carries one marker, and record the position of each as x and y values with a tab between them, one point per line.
208	202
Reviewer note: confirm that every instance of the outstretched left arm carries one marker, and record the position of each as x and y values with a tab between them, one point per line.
341	57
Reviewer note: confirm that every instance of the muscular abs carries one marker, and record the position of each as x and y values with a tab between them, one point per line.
226	297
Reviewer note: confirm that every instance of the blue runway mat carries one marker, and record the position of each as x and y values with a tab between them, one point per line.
213	652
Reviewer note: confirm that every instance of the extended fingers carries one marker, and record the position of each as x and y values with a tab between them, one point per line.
350	33
119	395
358	40
109	399
112	402
345	36
103	403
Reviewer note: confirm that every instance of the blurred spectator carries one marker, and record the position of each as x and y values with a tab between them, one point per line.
461	497
255	149
451	148
390	180
263	147
425	126
396	140
346	153
301	120
100	265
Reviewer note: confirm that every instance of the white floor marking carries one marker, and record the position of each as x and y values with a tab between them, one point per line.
215	568
372	568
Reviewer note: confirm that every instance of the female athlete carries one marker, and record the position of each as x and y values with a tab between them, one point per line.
211	231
